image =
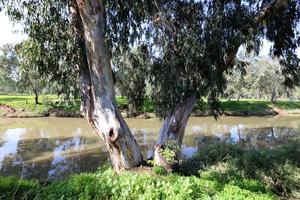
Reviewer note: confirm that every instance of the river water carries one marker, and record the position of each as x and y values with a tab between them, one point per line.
52	148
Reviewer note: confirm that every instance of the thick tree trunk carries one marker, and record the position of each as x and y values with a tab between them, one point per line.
98	90
173	130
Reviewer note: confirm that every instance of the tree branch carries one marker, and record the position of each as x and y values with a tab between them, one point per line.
161	18
273	5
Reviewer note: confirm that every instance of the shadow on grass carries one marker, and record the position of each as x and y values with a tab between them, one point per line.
246	105
11	99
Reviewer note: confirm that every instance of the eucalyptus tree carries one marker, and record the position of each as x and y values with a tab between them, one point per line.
8	68
261	77
49	25
267	77
235	85
193	42
131	69
30	59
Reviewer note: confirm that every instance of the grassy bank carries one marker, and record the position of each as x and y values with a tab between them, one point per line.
218	171
242	107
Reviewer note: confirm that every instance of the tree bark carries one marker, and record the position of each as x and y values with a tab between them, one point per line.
173	128
98	90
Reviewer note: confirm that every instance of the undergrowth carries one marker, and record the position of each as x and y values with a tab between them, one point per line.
218	171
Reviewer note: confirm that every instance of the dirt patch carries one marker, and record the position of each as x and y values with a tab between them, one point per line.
8	111
251	113
53	112
6	108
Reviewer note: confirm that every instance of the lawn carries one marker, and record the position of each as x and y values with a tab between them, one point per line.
51	101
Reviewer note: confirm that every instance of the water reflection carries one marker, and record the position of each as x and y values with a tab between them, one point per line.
50	149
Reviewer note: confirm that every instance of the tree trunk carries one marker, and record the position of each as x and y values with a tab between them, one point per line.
36	96
98	90
273	95
238	97
173	130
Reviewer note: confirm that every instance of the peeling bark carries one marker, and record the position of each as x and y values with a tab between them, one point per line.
173	128
98	90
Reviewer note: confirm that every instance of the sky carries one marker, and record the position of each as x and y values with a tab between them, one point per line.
11	33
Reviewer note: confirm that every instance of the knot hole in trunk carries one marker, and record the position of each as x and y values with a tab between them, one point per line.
113	135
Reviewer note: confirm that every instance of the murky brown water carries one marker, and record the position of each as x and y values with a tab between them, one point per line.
52	148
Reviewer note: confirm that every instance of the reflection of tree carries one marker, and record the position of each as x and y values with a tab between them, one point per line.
60	156
35	157
256	137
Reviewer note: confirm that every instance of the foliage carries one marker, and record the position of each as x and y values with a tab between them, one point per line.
105	184
49	28
131	73
218	171
15	188
8	69
261	78
30	58
191	42
278	168
159	170
170	150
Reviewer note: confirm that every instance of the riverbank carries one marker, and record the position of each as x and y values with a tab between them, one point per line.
219	171
24	106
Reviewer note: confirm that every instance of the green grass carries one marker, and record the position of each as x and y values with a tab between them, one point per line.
51	101
258	105
246	105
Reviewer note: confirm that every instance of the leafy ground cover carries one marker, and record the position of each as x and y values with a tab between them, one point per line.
105	184
218	171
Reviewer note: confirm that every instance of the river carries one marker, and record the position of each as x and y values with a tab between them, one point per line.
53	148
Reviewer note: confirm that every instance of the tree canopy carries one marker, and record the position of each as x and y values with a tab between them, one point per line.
191	42
191	45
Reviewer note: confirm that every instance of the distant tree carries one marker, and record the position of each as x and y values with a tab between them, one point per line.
51	26
131	74
30	56
236	85
269	79
262	77
8	69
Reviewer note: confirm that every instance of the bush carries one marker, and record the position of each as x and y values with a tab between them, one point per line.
14	188
106	184
277	168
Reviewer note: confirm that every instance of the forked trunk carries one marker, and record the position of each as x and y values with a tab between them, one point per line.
98	90
172	132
